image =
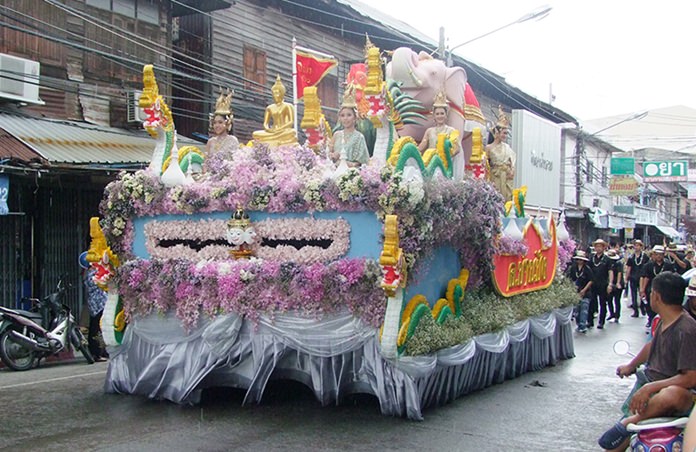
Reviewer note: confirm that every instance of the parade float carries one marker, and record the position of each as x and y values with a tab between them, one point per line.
261	262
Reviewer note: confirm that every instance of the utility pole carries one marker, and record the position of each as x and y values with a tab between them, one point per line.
441	45
579	150
678	205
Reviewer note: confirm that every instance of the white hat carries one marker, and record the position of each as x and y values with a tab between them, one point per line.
691	290
611	254
581	255
658	249
599	242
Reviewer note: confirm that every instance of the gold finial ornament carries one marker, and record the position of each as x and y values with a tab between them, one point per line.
279	85
223	105
349	98
368	44
440	100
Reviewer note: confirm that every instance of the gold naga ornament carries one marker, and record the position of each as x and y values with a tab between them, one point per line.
100	256
392	258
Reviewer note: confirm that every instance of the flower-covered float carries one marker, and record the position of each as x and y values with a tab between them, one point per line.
268	264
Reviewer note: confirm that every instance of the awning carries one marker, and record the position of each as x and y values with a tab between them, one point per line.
599	218
669	231
80	143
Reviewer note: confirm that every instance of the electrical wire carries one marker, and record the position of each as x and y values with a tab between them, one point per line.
138	40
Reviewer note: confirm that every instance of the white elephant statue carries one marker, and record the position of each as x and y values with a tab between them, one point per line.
423	76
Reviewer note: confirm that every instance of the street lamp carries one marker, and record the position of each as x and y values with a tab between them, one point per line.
537	14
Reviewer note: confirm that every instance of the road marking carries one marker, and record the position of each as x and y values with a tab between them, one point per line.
51	380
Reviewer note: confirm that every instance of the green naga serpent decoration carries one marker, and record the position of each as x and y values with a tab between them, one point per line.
160	125
388	109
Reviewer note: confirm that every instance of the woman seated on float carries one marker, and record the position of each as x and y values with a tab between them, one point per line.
221	125
440	111
278	119
348	145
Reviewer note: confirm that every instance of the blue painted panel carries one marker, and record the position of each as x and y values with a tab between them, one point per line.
432	274
365	228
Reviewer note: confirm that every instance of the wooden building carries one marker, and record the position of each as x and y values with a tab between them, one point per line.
250	42
59	149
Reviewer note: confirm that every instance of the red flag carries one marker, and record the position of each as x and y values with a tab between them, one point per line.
311	69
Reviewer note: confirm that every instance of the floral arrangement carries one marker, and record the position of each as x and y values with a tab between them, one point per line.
483	311
250	288
510	246
293	179
212	245
566	249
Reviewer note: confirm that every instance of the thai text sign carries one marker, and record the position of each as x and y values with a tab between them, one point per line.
516	274
666	171
623	186
622	166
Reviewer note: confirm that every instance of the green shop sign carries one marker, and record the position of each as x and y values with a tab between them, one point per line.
623	166
666	171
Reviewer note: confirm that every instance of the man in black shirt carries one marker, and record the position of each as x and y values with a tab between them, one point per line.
601	266
581	274
616	284
634	270
678	260
657	265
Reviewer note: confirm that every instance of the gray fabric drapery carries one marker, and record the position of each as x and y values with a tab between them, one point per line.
334	356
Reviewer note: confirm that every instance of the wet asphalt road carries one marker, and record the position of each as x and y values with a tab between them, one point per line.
61	406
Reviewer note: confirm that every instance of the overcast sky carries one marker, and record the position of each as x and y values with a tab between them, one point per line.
600	58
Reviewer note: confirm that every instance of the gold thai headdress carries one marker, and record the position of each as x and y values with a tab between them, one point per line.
503	119
440	100
224	101
349	98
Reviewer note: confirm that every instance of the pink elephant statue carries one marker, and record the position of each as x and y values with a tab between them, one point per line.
423	76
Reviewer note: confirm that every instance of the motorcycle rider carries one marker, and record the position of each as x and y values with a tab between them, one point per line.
667	385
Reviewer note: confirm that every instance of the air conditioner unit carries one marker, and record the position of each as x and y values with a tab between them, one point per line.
135	114
19	79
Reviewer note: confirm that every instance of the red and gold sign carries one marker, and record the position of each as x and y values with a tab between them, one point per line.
514	274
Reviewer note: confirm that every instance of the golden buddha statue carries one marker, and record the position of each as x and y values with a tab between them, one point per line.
278	119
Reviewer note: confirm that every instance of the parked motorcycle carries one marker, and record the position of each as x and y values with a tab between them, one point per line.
27	337
663	434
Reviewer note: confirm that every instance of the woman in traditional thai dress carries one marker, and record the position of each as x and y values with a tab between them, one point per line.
221	125
429	141
348	146
501	158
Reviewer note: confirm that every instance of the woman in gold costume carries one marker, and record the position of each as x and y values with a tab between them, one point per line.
221	125
501	157
278	119
429	141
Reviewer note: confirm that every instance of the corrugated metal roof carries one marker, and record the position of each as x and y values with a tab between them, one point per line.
391	22
12	148
82	143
